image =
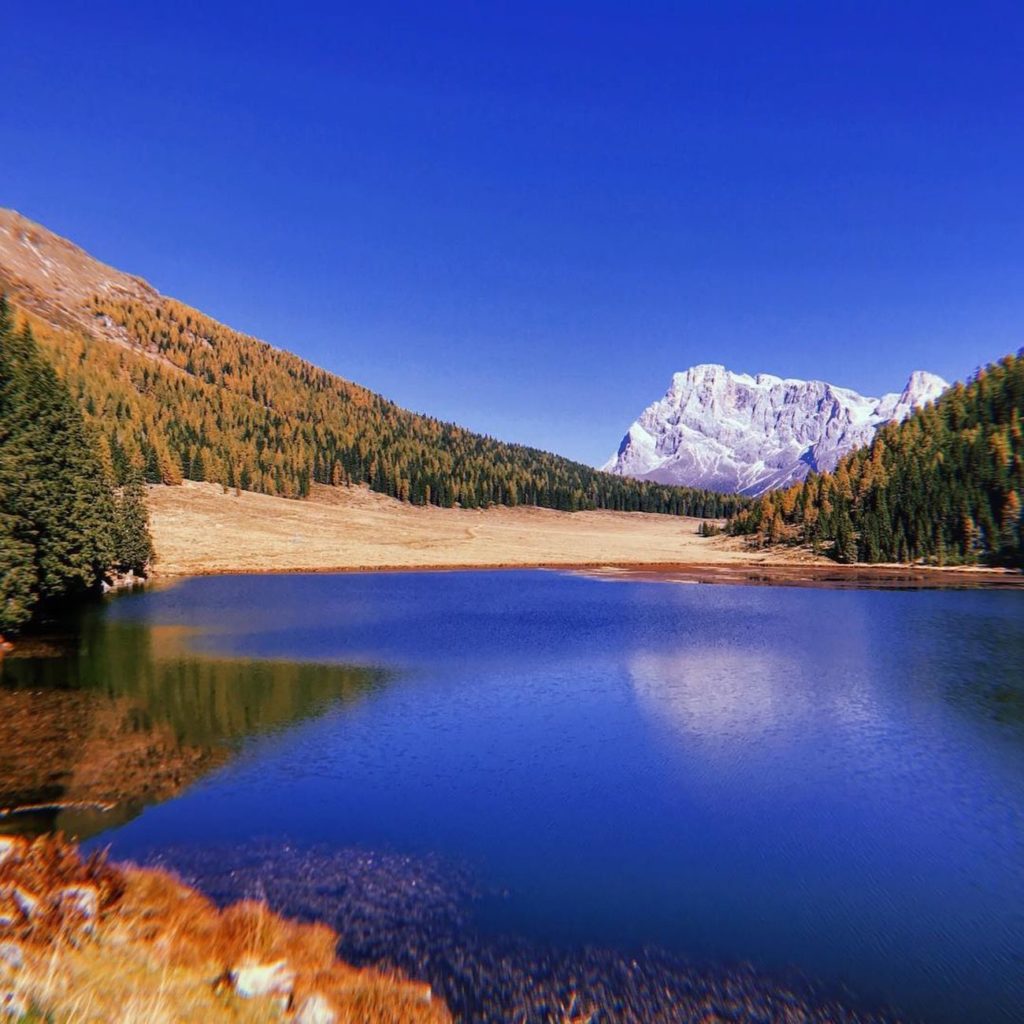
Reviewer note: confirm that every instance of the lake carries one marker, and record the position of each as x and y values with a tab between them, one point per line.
827	782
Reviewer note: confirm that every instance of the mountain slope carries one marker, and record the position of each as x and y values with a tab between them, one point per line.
946	485
179	395
733	432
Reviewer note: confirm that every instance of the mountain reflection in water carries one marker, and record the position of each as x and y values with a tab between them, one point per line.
113	716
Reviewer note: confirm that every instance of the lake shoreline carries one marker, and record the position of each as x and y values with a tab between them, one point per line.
818	574
176	955
754	573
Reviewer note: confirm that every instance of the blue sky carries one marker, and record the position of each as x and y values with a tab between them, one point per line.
524	217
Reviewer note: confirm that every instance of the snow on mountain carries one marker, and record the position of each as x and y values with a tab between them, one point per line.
733	432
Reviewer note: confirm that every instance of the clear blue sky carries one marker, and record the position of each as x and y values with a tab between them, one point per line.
524	217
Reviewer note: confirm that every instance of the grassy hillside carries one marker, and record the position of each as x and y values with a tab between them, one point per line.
180	396
945	485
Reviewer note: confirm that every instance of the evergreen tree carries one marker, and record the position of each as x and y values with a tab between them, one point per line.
132	542
18	578
945	485
1010	530
61	489
57	532
845	543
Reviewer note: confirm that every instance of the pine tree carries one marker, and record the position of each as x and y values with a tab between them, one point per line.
1010	528
132	542
846	544
17	573
57	532
62	489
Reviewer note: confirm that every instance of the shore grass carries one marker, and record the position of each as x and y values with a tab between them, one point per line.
85	941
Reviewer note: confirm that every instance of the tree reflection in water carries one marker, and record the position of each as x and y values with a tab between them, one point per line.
112	716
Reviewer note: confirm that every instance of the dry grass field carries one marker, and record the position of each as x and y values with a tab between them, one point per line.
200	528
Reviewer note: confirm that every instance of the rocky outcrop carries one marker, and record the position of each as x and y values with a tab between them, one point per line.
732	432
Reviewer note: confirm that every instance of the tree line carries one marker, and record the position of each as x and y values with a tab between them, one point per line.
178	396
65	523
944	486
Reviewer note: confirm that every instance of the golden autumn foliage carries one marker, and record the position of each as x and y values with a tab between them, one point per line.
944	486
180	396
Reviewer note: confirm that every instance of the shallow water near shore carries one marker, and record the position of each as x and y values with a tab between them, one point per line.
830	781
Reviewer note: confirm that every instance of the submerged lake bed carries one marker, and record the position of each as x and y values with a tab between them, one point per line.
828	783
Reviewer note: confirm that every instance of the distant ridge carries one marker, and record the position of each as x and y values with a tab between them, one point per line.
177	395
733	432
944	486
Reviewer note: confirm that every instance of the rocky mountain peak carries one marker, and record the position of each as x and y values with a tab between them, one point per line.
735	432
924	387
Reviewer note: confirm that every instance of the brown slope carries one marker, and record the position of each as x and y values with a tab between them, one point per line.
55	279
58	283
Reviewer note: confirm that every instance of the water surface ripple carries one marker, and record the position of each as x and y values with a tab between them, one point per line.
825	780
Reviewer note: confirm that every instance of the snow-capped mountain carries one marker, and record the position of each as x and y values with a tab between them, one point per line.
733	432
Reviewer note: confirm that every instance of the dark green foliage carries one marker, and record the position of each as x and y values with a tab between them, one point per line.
57	522
845	549
944	486
17	572
132	542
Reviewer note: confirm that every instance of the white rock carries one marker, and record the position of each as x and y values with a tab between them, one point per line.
12	956
27	902
315	1009
732	432
13	1004
80	899
276	979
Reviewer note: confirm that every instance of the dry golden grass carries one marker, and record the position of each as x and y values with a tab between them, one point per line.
156	950
198	528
